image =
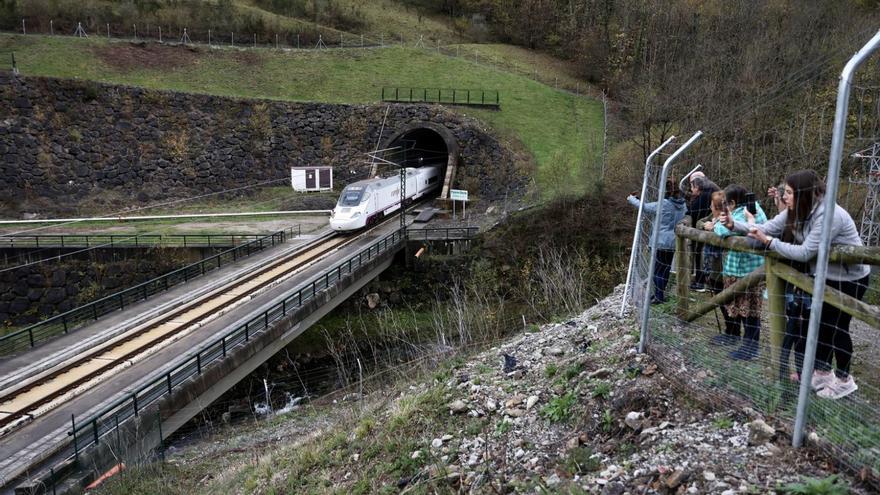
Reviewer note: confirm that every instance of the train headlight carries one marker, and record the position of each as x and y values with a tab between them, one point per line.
356	214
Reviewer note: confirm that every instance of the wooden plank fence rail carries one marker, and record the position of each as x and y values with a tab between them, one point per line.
775	273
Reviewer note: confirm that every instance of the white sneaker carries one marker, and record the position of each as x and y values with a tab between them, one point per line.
838	389
821	379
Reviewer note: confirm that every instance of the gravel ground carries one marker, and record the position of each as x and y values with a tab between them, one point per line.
571	408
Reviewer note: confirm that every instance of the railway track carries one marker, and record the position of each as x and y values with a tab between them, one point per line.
22	403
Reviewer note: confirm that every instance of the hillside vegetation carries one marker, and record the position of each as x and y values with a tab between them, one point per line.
376	20
759	78
561	130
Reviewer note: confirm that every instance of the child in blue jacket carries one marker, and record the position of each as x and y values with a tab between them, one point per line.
674	210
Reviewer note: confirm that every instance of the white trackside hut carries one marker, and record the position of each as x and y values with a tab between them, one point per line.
366	202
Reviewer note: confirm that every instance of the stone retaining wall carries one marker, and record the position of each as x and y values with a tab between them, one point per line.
66	144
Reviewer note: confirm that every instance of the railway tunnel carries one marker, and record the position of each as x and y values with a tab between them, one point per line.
422	144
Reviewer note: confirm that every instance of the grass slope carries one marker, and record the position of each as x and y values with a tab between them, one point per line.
388	20
556	127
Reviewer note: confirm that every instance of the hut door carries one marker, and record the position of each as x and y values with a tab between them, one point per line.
310	179
324	178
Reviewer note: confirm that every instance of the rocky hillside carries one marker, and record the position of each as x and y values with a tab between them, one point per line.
570	407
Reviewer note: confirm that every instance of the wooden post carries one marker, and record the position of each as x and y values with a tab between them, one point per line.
776	313
682	274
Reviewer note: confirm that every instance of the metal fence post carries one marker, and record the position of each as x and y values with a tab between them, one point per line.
655	237
682	274
829	202
638	233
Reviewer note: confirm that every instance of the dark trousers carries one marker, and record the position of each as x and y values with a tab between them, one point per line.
797	319
731	324
700	276
752	327
834	339
715	284
662	268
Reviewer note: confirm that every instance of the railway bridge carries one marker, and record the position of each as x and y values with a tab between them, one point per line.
109	392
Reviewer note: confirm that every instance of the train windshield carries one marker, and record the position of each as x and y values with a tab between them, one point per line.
351	196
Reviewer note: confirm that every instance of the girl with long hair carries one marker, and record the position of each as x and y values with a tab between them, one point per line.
795	235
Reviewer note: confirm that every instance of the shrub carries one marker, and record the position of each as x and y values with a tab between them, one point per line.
559	408
580	461
814	486
601	390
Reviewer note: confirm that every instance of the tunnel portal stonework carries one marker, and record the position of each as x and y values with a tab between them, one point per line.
68	143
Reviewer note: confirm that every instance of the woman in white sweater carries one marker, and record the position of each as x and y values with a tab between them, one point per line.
795	234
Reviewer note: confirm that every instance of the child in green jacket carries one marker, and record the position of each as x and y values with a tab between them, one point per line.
745	309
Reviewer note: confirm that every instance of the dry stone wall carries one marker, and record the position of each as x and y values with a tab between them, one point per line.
30	293
68	143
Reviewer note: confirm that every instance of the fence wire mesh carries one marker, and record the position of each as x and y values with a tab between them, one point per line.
710	351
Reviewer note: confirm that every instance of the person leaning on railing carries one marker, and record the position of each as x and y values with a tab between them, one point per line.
795	234
745	308
797	307
699	207
674	210
713	268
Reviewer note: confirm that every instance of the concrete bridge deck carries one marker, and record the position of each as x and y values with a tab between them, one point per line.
27	453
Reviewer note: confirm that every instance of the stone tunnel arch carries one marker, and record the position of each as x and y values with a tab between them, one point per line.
431	142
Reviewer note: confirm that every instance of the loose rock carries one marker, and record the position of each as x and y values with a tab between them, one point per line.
458	407
760	432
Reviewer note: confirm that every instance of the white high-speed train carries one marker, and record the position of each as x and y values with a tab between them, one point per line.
365	202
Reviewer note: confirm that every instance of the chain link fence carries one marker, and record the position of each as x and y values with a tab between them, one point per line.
744	323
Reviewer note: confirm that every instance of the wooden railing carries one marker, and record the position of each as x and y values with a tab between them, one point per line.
775	273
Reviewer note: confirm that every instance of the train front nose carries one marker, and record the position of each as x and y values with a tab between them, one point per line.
344	220
340	224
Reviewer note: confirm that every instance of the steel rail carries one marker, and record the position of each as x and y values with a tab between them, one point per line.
206	300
